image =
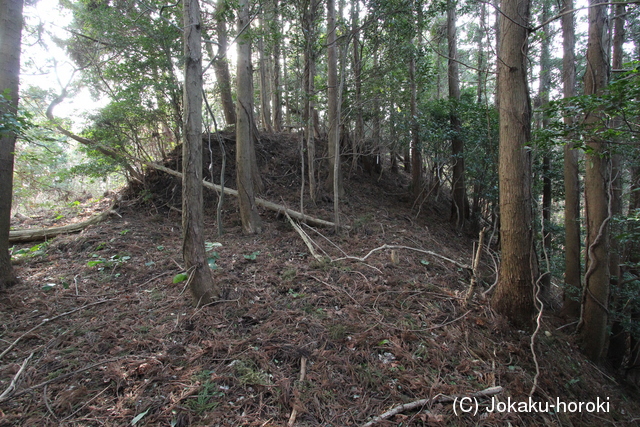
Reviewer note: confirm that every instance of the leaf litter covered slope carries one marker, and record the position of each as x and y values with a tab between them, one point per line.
369	335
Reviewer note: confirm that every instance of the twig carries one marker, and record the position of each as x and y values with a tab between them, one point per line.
303	372
86	403
45	321
46	403
64	376
305	238
12	386
422	402
433	254
476	264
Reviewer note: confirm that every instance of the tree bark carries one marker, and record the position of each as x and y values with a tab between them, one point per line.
593	328
265	96
572	266
221	66
333	183
10	44
543	96
459	201
193	251
244	129
416	157
514	292
618	336
276	96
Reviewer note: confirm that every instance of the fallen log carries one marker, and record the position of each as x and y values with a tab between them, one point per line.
39	234
260	202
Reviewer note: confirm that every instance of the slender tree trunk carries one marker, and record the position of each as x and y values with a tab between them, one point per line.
459	202
543	95
276	99
10	43
221	66
416	157
481	54
618	337
309	25
265	96
333	183
193	251
514	293
244	129
358	139
598	168
572	269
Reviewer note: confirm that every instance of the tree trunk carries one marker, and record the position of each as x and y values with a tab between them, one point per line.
618	337
572	266
265	96
333	183
10	43
358	138
416	157
593	327
221	66
244	128
459	202
276	96
309	15
514	292
543	95
193	251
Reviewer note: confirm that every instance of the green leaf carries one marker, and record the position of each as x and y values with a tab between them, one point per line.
48	286
138	417
94	263
252	256
180	277
212	263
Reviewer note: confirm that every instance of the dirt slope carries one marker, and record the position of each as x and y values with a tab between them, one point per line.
114	342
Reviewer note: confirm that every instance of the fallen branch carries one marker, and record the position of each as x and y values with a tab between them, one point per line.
12	386
422	402
433	254
65	376
476	264
303	372
305	239
260	202
45	321
38	234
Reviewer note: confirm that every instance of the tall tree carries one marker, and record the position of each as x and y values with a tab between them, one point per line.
309	13
514	293
543	99
276	95
245	154
593	324
221	64
572	265
618	337
10	40
459	202
334	180
265	95
193	251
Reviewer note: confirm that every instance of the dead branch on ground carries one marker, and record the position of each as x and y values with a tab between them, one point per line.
45	321
422	402
430	253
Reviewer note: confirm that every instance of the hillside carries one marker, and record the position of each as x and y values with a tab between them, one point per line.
105	338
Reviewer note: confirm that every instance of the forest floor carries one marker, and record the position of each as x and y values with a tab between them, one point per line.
99	335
